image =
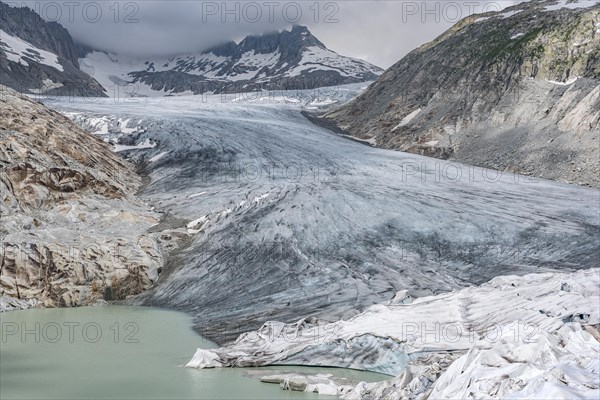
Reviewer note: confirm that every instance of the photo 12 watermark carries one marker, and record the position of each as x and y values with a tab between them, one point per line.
66	12
252	12
69	332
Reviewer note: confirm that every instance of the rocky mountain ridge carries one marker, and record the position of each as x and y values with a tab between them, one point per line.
515	90
40	57
28	25
292	59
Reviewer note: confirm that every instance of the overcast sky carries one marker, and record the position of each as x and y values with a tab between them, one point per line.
381	32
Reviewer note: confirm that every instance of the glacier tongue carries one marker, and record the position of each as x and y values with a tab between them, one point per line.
520	337
300	221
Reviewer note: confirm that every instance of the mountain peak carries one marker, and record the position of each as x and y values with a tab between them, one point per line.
299	28
305	36
292	58
289	43
226	49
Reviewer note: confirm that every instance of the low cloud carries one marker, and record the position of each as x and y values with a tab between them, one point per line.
381	32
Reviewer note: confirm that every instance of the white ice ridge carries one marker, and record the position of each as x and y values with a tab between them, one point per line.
199	225
516	335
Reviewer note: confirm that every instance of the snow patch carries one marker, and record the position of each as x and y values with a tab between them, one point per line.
568	82
18	50
571	4
481	19
406	120
509	14
252	63
316	58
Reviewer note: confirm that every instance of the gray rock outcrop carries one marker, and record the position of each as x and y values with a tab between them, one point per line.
72	232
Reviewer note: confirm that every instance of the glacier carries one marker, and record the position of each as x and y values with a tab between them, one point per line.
293	220
457	281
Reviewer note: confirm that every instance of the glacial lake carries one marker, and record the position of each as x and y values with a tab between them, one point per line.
125	353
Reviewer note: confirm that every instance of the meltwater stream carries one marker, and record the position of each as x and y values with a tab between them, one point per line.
119	352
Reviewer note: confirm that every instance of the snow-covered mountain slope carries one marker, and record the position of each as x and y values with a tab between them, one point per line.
286	219
19	51
514	337
292	59
40	57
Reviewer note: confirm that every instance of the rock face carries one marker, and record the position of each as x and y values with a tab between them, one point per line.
289	59
40	57
516	90
72	232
